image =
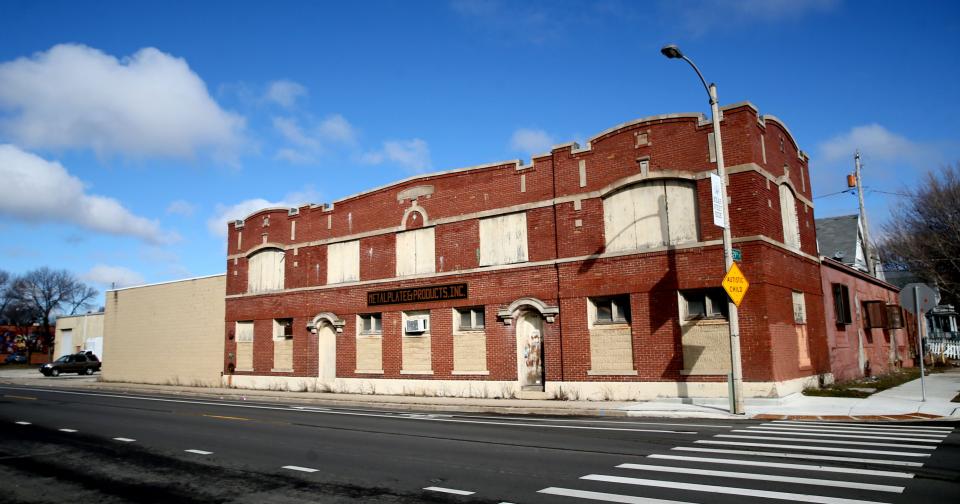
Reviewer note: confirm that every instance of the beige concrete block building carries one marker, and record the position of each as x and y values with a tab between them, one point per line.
78	333
167	333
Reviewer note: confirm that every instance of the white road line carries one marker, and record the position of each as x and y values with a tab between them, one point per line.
124	439
301	469
832	435
867	425
781	465
827	441
353	413
199	452
765	477
22	423
606	497
813	448
795	497
449	490
801	456
845	428
852	430
67	430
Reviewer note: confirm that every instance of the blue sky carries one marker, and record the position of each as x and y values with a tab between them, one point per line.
130	132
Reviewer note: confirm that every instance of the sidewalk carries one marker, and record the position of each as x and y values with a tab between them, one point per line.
898	403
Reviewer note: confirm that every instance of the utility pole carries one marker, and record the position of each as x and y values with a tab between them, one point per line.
871	267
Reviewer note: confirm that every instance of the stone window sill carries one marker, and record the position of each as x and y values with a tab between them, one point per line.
278	370
243	370
403	371
368	371
624	372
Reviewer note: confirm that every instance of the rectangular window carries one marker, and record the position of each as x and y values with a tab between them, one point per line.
799	308
415	252
874	315
704	304
470	319
371	323
611	310
894	317
244	332
841	303
283	328
503	239
343	262
650	214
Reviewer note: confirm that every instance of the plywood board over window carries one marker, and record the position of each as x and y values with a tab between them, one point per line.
343	262
651	214
265	270
788	214
416	252
244	336
503	239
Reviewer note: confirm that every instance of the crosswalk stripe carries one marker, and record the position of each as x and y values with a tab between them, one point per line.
696	487
827	441
781	465
765	477
301	469
853	430
813	448
802	456
606	497
832	435
867	426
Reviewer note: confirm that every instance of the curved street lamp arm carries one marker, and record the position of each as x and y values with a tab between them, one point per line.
702	80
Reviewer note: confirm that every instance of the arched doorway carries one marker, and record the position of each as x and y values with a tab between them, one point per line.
530	354
327	353
326	325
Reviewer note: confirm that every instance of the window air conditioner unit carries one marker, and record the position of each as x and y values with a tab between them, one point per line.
417	326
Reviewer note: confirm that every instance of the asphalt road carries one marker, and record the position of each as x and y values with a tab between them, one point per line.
76	446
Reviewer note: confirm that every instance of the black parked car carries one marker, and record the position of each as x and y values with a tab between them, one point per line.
80	363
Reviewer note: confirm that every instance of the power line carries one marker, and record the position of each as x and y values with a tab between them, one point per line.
833	194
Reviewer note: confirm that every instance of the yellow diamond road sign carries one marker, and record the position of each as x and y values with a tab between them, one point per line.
735	284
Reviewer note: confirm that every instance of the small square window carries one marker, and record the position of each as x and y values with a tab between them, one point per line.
894	317
283	328
612	310
704	304
371	323
470	319
874	315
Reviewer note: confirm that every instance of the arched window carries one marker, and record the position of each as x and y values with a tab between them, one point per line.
788	215
651	214
265	270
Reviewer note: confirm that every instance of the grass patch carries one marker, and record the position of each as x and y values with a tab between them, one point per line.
876	383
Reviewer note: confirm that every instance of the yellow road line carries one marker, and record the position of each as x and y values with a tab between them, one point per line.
226	417
25	398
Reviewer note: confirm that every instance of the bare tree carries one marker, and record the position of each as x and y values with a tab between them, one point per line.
923	235
44	292
6	295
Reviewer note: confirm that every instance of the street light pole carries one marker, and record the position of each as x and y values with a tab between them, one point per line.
736	368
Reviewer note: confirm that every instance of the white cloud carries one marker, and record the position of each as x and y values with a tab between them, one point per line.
700	16
113	276
411	154
224	214
285	92
531	141
305	144
38	190
148	104
877	142
182	208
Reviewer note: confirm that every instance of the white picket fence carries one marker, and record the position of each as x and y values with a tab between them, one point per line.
949	348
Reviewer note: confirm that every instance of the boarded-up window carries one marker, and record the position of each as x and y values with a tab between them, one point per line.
788	215
343	262
894	317
653	214
265	270
503	239
415	252
874	315
244	332
841	303
244	335
799	308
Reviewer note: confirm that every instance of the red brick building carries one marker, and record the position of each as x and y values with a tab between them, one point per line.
592	272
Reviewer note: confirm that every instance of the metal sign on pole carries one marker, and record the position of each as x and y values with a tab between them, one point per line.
716	194
918	298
